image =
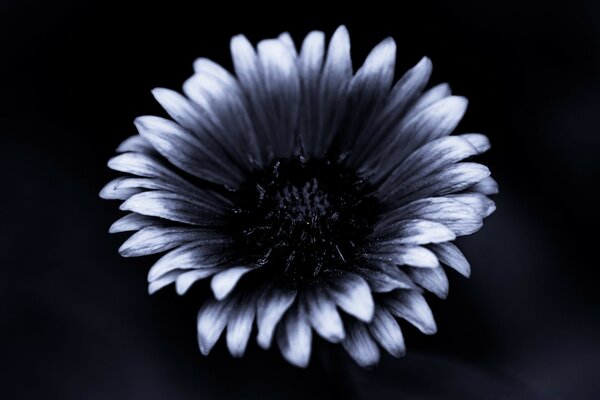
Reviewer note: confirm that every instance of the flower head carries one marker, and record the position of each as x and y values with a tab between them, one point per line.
314	198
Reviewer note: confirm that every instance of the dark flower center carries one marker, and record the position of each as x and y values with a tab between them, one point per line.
301	218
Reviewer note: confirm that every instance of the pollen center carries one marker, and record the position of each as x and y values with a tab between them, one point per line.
299	219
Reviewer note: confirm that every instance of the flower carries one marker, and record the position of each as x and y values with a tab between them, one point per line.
314	198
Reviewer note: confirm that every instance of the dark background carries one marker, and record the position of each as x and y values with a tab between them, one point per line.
76	320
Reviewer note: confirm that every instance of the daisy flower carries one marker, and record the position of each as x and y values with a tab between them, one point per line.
316	199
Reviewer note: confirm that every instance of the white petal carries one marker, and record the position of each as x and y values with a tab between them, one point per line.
179	108
461	218
294	336
271	307
136	144
415	256
172	206
352	294
185	280
111	191
424	161
402	94
287	40
239	326
185	151
411	306
360	345
163	281
431	279
212	319
187	256
431	96
482	204
324	316
450	255
381	282
414	232
486	186
133	222
479	141
152	240
387	332
223	283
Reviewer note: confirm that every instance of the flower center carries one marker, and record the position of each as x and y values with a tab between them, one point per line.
301	218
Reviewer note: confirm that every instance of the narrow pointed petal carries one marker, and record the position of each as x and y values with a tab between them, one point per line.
133	222
385	330
360	345
152	240
239	326
223	283
172	206
111	191
324	316
212	319
450	255
411	305
431	279
179	108
136	144
271	307
294	336
431	96
352	294
368	90
333	88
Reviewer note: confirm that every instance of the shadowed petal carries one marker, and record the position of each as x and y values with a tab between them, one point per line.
352	294
152	240
112	191
323	315
412	232
450	255
360	345
479	141
163	281
411	306
187	256
431	279
223	283
136	144
239	325
294	336
212	319
486	186
385	330
172	206
185	280
368	147
133	222
271	307
482	204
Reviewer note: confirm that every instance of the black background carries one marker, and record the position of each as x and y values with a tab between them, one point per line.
77	322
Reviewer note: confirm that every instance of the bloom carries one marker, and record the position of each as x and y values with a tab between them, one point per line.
314	198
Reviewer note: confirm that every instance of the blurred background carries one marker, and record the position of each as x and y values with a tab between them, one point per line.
76	320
